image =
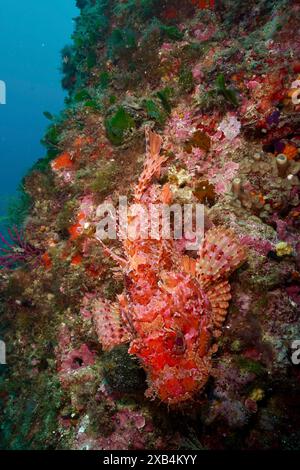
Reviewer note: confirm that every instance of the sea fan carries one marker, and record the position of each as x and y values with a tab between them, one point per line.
16	251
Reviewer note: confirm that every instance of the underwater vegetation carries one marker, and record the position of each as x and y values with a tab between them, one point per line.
144	344
117	126
15	250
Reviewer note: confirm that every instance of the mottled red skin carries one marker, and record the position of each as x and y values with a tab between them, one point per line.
171	317
172	306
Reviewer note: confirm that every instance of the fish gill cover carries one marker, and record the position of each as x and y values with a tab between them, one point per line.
143	343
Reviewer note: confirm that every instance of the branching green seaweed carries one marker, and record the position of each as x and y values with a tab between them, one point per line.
228	93
118	125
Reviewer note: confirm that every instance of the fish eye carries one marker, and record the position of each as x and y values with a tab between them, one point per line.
179	344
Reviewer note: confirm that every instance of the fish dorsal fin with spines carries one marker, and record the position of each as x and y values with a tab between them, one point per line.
152	164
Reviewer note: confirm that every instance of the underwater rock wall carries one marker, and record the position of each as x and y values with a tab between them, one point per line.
220	82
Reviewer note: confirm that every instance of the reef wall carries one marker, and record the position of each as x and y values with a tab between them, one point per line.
220	83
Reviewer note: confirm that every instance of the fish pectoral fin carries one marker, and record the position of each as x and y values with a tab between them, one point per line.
219	297
220	253
108	324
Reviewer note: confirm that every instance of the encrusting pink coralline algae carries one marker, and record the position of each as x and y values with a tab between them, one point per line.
173	305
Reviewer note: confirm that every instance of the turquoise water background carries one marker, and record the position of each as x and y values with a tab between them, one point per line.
32	34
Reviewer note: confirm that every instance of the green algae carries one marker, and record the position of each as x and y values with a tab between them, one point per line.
122	372
172	32
34	415
186	79
228	93
250	365
121	40
65	217
100	418
141	8
112	289
155	112
18	209
118	125
104	80
82	95
165	96
104	179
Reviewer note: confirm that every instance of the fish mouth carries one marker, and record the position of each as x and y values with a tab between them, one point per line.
173	391
174	386
175	341
177	384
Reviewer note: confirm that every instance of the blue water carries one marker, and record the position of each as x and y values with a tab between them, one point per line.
32	34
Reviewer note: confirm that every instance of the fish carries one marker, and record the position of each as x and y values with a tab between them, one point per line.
173	306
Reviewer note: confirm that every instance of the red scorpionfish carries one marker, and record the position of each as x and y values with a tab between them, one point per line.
173	306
